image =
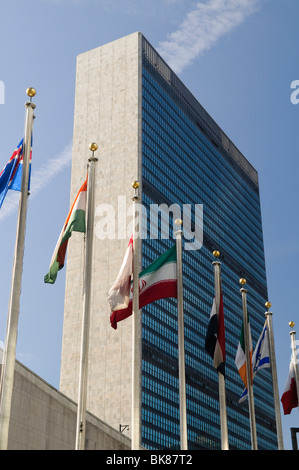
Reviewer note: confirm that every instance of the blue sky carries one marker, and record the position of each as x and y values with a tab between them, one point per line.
238	58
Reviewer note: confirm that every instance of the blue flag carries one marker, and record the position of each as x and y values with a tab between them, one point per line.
260	357
11	175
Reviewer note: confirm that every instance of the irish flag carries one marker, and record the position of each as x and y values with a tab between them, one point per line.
75	221
289	397
240	359
157	281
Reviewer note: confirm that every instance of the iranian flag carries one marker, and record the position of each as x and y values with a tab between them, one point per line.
289	397
157	281
75	222
240	359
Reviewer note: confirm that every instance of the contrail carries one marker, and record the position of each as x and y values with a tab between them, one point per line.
202	28
56	165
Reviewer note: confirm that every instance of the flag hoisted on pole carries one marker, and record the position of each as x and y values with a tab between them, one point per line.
181	342
11	175
260	357
157	281
120	292
290	394
274	376
245	348
136	332
215	346
7	375
83	371
75	222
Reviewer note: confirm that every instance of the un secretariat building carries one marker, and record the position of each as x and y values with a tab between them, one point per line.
149	127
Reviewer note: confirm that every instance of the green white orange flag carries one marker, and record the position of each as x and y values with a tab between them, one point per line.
240	359
75	222
157	281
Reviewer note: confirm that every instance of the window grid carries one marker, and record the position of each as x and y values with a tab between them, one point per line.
175	151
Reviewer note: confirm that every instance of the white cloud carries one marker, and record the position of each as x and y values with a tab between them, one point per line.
202	28
39	180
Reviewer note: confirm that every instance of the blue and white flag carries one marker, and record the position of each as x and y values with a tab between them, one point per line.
11	175
260	357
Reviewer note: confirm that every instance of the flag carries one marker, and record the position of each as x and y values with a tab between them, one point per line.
75	222
289	397
119	294
11	175
240	359
157	281
215	338
17	176
260	358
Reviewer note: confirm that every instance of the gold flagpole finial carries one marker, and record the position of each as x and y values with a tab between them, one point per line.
242	281
291	324
135	184
216	253
268	304
93	146
31	92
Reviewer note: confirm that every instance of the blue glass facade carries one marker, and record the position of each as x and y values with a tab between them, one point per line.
183	162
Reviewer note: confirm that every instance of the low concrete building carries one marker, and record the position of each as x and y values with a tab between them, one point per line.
42	418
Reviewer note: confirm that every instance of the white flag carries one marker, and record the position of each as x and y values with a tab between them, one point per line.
119	294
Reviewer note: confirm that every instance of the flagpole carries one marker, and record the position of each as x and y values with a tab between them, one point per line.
182	375
7	375
274	377
221	379
136	333
294	356
83	372
248	368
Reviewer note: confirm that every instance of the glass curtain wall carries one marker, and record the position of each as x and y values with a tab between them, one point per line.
181	165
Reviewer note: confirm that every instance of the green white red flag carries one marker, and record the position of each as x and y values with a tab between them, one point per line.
75	222
157	281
